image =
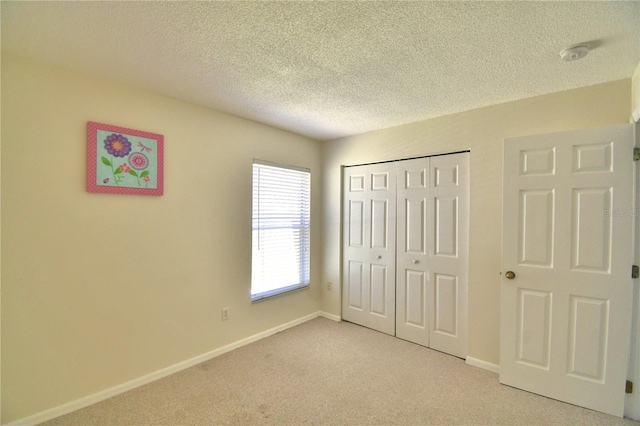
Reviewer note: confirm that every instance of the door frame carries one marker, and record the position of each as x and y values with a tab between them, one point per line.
632	401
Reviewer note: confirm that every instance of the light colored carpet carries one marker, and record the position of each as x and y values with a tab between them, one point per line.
328	373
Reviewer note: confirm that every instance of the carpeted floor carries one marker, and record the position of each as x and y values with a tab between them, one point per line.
328	373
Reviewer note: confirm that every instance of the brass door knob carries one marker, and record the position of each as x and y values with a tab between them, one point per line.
510	275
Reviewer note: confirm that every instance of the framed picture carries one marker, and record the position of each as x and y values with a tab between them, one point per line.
124	161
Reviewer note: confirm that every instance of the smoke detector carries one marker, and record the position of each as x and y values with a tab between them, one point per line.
574	53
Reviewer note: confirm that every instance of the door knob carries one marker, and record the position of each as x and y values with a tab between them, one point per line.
415	261
379	257
510	275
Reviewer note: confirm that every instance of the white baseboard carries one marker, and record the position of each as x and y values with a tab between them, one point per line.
475	362
86	401
332	317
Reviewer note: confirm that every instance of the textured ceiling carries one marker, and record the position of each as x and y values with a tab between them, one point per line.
332	69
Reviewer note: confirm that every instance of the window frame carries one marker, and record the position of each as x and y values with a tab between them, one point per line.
303	243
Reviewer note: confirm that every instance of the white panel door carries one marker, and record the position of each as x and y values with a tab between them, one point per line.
369	236
432	252
449	252
567	237
413	286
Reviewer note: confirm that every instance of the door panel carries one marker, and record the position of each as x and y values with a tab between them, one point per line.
567	235
415	292
533	328
536	227
446	225
369	252
591	233
445	173
413	286
588	325
415	219
448	246
355	223
537	162
446	304
379	223
355	284
378	301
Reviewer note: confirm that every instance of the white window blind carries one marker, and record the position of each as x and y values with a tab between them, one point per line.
281	230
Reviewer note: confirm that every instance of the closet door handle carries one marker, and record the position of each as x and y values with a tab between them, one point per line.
378	257
415	261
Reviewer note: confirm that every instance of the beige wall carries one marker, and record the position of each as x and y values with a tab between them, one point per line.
100	289
482	131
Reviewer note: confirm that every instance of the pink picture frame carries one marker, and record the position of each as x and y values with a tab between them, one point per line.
124	161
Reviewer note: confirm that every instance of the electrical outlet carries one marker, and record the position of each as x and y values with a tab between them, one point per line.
329	285
225	314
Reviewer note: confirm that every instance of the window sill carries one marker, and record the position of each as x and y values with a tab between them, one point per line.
279	292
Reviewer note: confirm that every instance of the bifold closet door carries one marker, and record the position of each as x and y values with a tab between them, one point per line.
406	274
369	246
432	252
449	252
413	288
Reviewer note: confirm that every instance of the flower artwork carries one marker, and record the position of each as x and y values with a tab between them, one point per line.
124	161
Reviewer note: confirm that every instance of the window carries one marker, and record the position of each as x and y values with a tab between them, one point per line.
281	229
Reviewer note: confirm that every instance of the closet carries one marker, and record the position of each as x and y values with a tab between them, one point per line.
405	249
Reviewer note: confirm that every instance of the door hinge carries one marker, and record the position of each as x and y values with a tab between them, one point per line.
636	154
635	271
628	387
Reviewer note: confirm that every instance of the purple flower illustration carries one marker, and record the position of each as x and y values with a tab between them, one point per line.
117	145
138	161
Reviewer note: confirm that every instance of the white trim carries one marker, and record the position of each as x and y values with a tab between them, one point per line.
332	317
475	362
635	95
86	401
281	166
632	401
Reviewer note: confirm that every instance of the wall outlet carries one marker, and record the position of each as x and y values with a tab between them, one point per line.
225	314
329	285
